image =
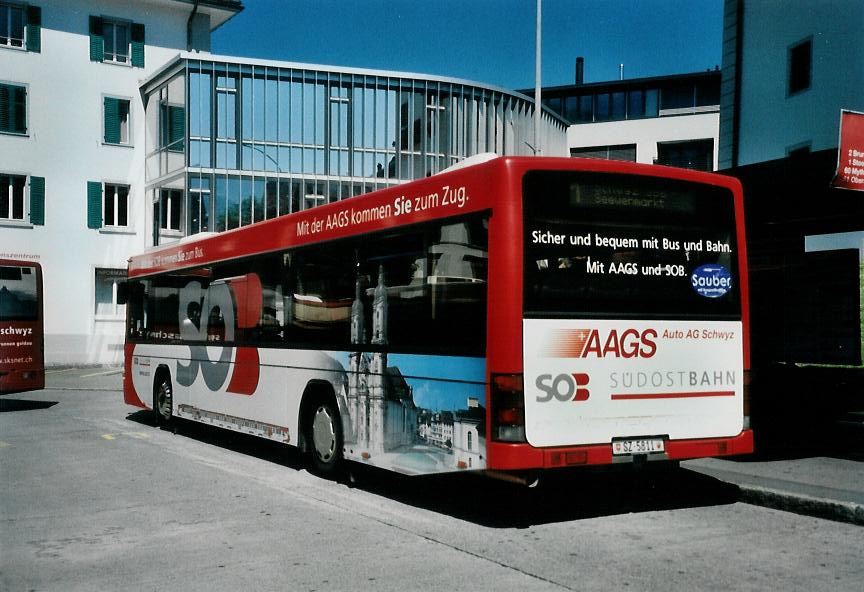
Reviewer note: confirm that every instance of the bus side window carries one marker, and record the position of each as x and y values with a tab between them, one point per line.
136	308
318	303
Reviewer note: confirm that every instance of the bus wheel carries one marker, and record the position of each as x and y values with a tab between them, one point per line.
162	400
324	438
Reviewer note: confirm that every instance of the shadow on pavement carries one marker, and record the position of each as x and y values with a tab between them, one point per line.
8	405
560	496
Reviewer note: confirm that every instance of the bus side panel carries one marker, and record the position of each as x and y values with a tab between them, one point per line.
415	414
136	378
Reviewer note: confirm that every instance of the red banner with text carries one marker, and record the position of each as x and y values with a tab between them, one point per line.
850	159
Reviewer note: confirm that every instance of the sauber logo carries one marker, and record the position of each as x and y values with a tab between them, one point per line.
586	343
564	387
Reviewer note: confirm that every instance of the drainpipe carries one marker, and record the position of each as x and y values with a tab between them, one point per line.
189	27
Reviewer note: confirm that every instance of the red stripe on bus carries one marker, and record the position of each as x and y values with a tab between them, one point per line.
627	396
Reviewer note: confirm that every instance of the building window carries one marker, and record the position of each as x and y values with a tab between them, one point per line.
172	127
12	197
13	109
22	199
170	208
116	41
694	154
800	66
115	36
116	128
12	21
115	205
626	152
107	205
106	305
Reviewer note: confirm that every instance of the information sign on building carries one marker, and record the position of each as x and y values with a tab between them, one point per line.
850	157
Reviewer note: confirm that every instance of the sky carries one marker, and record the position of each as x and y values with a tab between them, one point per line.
486	41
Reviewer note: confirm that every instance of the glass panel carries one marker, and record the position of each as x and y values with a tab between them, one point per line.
220	204
284	110
659	227
272	197
652	103
619	106
271	105
122	205
233	199
247	103
601	109
260	105
259	211
247	200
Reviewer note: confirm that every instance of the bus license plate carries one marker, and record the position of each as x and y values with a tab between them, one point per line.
637	446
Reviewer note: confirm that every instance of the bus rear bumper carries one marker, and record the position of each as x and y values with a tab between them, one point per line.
518	457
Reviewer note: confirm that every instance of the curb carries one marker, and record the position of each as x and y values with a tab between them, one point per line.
837	511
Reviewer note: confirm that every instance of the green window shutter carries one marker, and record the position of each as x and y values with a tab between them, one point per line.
94	204
97	44
5	108
19	110
34	29
137	45
112	120
177	130
37	201
13	109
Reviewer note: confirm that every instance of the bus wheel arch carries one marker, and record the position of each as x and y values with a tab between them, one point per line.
163	396
321	433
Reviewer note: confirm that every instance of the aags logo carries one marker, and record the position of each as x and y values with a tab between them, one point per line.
564	387
584	343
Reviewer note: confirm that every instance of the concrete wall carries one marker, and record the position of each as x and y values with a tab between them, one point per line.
646	133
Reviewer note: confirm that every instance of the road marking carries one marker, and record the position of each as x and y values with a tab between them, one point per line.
105	373
4	444
109	436
60	371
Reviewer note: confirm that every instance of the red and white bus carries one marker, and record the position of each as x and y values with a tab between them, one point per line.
22	361
516	315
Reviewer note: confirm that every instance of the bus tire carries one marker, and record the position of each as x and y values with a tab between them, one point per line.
323	435
163	399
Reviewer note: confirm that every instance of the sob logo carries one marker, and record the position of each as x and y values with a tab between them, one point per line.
208	315
564	387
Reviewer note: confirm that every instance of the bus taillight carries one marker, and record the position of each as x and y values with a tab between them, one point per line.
508	408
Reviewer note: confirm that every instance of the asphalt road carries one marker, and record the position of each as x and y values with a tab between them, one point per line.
93	496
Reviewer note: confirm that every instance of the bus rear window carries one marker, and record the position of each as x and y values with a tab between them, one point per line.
604	245
18	294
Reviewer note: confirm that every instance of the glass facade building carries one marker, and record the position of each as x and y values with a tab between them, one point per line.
232	142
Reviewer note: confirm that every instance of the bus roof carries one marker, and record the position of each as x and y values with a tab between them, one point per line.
450	193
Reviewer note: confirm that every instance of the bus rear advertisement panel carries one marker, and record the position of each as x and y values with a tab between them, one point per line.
633	332
591	381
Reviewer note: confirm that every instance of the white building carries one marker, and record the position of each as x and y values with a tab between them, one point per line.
72	156
119	130
672	120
